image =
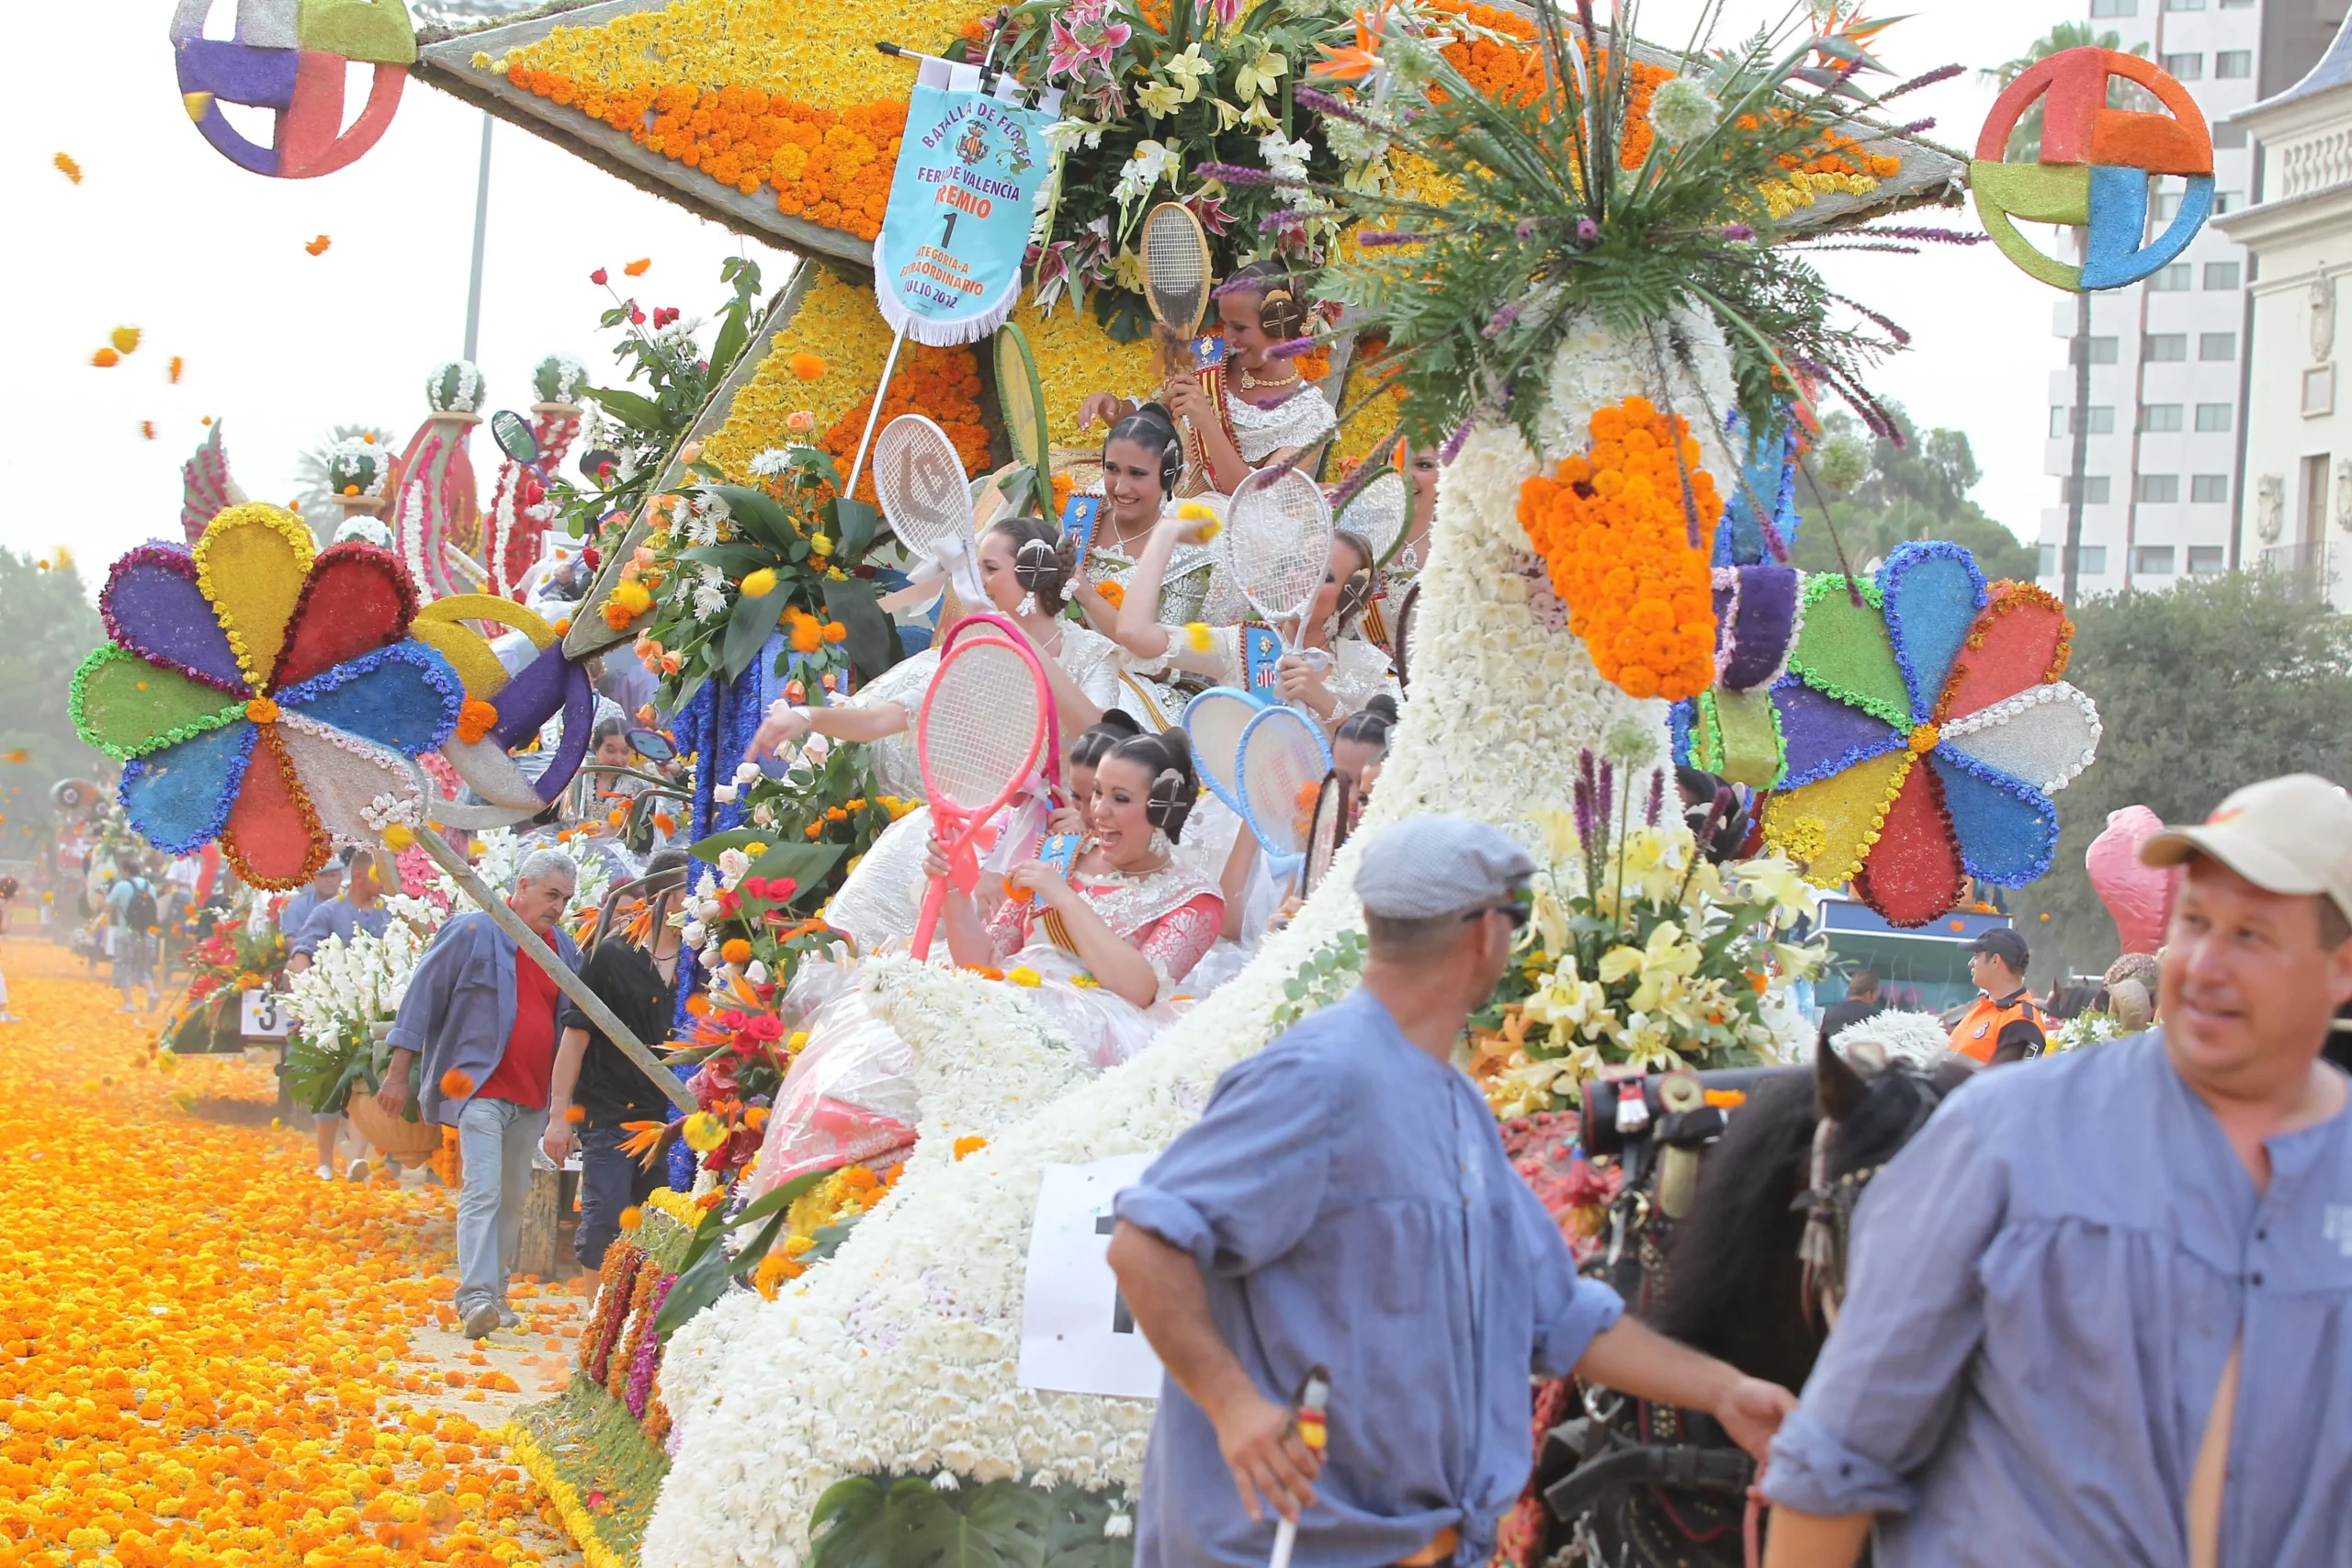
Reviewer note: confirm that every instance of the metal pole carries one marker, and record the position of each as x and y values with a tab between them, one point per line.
481	234
897	341
569	984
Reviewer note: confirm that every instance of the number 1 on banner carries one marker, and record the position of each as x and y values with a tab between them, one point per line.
948	233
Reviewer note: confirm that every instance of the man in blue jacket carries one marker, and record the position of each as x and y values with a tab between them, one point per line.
482	1014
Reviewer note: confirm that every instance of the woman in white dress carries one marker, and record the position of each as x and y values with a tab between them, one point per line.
1271	412
1109	946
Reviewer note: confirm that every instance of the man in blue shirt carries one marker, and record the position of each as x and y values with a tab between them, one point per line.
359	909
2099	1306
299	905
1345	1201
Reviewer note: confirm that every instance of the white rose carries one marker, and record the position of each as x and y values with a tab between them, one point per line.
732	865
723	793
694	934
747	773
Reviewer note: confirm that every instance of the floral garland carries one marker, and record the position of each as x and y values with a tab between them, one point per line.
1616	528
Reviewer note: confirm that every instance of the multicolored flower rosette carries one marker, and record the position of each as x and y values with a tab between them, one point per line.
1925	727
264	693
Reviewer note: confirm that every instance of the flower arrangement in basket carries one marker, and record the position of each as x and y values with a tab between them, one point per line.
221	968
1640	953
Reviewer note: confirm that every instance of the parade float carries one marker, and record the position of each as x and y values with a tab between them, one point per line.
1573	264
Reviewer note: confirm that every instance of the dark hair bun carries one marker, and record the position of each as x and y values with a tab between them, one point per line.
1099	739
1043	561
1370	725
1174	785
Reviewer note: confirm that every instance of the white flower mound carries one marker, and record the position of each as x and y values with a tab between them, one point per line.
899	1355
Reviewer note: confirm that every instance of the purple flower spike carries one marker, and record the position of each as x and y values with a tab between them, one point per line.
1918	127
1233	174
1373	239
1501	320
1315	102
1280	219
1524	227
1606	798
1290	349
1586	231
1738	231
1654	808
1453	448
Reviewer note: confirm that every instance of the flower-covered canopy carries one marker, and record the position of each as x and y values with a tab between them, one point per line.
1926	728
263	694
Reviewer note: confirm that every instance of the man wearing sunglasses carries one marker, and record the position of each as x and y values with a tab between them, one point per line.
1345	1204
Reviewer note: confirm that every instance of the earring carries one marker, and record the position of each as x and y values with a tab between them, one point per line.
1028	605
1161	845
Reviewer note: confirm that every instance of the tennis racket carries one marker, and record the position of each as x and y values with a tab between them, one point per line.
1213	723
1176	284
1378	512
987	623
1021	397
1277	542
918	478
978	738
1325	833
1281	768
1401	634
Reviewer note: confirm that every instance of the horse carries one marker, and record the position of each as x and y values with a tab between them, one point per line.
1751	1274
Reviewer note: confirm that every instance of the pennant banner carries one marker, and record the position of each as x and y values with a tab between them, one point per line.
947	263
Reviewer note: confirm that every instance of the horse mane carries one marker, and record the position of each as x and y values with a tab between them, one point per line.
1741	1221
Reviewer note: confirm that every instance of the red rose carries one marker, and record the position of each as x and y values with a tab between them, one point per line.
753	888
599	278
767	1026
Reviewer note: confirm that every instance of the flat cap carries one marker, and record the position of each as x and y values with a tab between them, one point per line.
1427	866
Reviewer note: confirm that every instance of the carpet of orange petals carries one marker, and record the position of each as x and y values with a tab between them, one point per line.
207	1355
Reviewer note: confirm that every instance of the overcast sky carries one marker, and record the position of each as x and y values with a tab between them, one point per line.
209	263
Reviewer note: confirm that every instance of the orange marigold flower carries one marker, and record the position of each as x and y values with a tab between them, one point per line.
632	1217
576	1114
638	267
735	951
970	1145
106	359
476	718
456	1085
807	366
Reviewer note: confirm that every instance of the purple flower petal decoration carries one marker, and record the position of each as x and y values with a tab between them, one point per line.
152	606
1826	736
1763	627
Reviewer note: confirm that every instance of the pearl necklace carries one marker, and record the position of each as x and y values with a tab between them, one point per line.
1250	382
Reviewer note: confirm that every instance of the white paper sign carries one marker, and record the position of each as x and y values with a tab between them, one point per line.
1076	1336
261	1017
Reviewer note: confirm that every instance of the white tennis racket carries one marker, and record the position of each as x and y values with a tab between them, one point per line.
978	736
1213	723
1378	512
1284	761
1277	543
918	478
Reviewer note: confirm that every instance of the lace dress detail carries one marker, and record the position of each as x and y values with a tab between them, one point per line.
1302	420
1142	911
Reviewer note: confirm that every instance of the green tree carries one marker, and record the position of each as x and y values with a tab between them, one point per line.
50	628
2211	685
1915	488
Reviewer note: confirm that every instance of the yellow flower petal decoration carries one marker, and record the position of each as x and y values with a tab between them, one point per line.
250	564
1841	814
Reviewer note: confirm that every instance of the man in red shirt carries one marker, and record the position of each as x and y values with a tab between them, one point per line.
482	1014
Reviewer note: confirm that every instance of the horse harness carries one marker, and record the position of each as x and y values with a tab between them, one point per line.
1829	1204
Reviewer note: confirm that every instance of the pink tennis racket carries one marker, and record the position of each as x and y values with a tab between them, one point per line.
978	737
989	623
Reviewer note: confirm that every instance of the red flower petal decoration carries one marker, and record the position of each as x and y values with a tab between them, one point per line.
1912	874
358	599
273	837
2020	639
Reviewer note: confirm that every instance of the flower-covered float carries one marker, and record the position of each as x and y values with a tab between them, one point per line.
1604	314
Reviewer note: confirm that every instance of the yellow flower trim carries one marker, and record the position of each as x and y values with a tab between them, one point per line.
1924	738
1022	974
1840	819
1196	636
676	1205
1075	356
837	320
570	1507
251	564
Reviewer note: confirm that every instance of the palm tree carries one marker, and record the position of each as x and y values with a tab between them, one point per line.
2025	141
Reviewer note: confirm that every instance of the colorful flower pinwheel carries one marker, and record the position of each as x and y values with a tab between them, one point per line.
263	695
1925	729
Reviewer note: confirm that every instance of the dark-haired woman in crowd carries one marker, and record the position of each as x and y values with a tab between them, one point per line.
1359	747
1271	412
1103	952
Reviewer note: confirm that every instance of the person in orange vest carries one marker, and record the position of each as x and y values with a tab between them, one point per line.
2005	1024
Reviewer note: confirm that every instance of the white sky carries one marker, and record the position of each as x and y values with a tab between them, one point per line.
208	260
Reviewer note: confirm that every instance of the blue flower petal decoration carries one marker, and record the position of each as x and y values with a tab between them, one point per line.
405	696
178	798
1933	592
2007	830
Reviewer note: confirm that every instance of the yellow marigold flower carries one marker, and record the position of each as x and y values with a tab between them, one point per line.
754	849
807	366
759	584
799	1037
704	1131
1196	636
1022	974
1086	982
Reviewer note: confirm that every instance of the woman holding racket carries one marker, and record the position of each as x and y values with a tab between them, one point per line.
1110	947
1142	459
1272	413
1357	671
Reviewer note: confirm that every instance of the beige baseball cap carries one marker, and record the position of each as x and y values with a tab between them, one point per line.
2287	835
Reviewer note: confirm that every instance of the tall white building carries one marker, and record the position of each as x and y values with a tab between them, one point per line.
2165	457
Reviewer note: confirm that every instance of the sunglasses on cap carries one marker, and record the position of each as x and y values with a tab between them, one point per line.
1515	913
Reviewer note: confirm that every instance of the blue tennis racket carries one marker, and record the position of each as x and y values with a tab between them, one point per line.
1214	722
1283	763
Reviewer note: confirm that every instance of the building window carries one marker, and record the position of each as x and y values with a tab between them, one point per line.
2160	418
2214	419
2102	351
2205	561
2102	422
2184	4
2115	8
2049	560
2217	345
2152	560
2228	200
2164	347
2237	5
2169	279
2188	67
2209	488
2232	65
2167	205
2319	390
2093	560
2093	490
2220	275
2159	488
2310	512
